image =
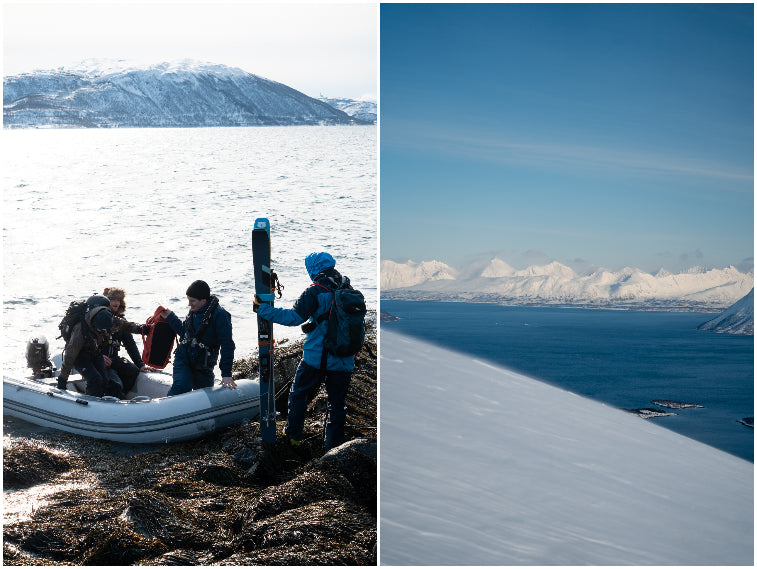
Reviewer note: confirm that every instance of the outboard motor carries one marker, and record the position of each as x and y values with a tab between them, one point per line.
38	357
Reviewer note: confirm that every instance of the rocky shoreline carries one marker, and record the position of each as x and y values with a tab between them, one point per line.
220	500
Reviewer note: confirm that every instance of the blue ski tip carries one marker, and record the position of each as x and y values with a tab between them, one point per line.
262	223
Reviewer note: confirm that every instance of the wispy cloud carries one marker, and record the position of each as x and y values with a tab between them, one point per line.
505	148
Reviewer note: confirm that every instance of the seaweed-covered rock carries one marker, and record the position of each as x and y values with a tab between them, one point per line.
113	543
224	499
330	526
355	462
26	464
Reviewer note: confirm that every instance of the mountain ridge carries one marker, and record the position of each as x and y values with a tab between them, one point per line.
188	93
697	288
736	319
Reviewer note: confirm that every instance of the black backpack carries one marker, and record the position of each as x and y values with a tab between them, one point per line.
74	314
346	331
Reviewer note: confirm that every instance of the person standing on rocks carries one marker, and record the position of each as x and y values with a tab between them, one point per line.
204	334
312	304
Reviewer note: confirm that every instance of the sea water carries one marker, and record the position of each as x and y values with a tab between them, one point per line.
151	210
627	359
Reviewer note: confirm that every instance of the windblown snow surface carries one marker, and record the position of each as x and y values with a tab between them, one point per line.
481	465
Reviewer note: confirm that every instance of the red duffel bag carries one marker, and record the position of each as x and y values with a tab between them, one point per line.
158	343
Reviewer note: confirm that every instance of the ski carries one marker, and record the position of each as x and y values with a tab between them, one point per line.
261	260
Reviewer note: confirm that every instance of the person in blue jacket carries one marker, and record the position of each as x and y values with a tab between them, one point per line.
205	332
312	303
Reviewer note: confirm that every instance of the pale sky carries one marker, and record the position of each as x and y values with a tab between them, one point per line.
329	49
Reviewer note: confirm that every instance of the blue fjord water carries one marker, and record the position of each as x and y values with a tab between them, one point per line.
623	358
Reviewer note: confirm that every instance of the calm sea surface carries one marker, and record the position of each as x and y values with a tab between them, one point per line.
151	210
622	358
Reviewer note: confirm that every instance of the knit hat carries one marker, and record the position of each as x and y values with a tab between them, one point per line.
199	290
103	320
97	300
316	263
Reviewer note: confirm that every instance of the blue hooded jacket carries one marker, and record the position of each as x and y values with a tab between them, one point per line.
313	302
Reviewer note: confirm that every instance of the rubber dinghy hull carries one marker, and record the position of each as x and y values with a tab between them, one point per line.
143	419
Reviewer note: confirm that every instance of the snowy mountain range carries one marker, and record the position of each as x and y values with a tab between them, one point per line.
558	284
736	319
360	109
103	93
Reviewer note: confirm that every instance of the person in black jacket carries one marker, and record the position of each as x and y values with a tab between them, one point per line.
83	351
204	335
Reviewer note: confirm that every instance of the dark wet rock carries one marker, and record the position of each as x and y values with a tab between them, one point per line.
386	317
225	499
246	458
649	413
220	474
341	456
675	404
26	464
356	462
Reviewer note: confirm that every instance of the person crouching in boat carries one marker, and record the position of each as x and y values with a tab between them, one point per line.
205	332
82	351
121	371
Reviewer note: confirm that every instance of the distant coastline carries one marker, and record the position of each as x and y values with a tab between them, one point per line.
166	95
603	304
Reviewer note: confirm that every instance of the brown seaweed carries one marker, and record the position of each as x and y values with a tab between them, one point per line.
225	499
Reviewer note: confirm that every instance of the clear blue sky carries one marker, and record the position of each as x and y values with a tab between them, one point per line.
590	134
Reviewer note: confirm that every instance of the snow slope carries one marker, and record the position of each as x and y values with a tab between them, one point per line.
360	109
557	283
736	319
188	93
481	465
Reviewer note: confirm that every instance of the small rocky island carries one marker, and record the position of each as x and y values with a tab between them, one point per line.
386	317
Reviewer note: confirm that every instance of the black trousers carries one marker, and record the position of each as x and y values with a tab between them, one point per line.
93	370
126	371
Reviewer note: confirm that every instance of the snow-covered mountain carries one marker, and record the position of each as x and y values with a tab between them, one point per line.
396	275
102	93
555	283
736	319
484	466
363	110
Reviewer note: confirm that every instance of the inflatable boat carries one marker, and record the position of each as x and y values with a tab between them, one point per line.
146	415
